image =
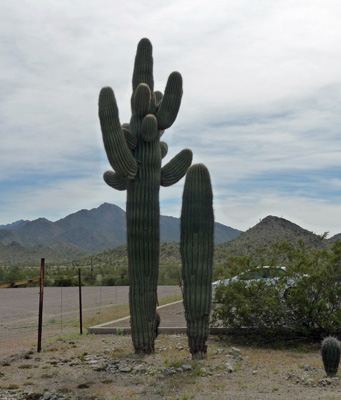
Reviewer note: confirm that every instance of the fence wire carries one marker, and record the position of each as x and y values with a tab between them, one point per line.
20	307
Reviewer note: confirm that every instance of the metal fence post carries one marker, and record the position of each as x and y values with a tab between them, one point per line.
80	301
41	297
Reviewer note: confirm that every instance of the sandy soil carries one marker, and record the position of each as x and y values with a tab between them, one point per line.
104	367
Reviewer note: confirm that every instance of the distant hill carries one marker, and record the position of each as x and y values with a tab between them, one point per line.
267	232
335	237
14	253
14	225
84	232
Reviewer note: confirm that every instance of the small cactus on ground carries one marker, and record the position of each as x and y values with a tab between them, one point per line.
331	355
196	246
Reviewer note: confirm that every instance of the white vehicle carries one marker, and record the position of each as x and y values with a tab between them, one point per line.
271	274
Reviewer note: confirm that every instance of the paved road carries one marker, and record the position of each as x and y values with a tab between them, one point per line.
19	306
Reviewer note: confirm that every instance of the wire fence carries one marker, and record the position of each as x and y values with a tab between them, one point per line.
19	308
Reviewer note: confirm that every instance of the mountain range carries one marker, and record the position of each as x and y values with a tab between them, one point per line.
81	233
102	231
268	232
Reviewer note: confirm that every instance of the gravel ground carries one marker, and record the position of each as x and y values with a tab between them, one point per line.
104	367
71	366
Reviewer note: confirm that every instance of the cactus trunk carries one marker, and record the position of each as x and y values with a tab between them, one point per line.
143	241
197	229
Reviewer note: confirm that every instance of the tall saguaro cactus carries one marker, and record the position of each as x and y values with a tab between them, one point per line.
197	243
134	151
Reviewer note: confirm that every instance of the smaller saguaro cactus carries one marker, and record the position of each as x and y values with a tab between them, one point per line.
196	247
331	355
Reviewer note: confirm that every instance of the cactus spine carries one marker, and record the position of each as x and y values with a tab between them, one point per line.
197	229
331	355
134	151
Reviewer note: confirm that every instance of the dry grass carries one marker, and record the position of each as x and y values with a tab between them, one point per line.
262	374
104	314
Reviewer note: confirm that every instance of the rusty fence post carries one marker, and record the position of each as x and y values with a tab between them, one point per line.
80	301
41	297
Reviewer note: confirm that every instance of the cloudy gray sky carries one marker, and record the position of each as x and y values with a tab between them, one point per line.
261	104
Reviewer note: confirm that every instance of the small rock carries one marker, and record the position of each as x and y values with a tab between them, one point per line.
125	368
186	367
238	357
308	368
228	368
140	369
325	382
166	371
92	362
90	357
47	396
254	372
235	350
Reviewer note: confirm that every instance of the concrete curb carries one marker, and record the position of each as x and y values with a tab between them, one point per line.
97	330
108	329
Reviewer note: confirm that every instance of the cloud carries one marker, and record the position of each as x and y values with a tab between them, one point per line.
57	198
244	210
262	88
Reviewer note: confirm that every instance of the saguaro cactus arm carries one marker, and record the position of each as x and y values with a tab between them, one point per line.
115	144
131	139
149	129
141	100
143	66
176	168
158	97
163	149
115	181
170	104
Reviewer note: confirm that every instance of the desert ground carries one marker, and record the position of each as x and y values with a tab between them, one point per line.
73	366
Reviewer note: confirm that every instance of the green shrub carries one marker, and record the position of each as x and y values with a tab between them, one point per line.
169	274
306	300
